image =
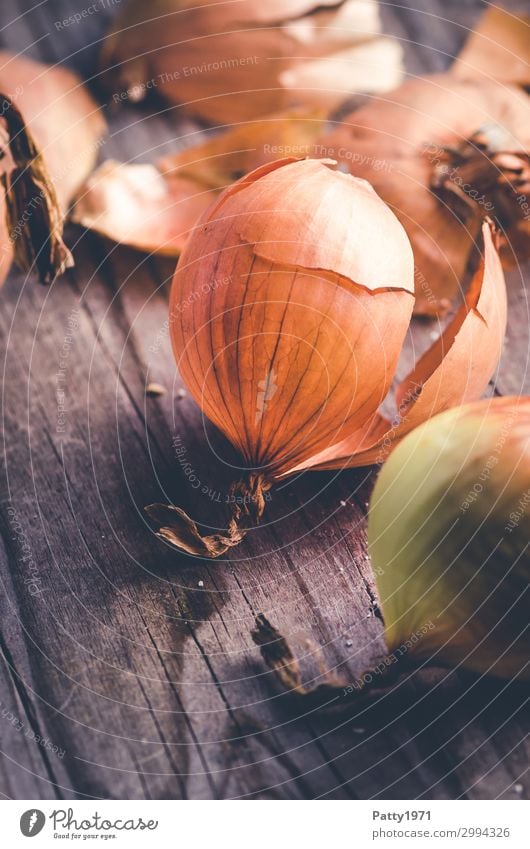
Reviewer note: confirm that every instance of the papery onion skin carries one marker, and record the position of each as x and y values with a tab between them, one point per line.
32	223
52	129
448	532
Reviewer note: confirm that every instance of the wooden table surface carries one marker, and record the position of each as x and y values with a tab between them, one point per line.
128	670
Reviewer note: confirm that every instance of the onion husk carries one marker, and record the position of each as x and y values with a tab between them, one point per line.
51	129
154	208
229	62
448	532
64	119
418	145
292	327
32	224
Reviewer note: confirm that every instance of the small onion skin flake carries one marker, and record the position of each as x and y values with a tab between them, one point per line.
448	532
292	326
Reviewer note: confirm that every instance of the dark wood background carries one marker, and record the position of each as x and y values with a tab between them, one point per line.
135	665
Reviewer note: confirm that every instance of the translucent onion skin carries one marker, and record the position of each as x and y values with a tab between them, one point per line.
449	529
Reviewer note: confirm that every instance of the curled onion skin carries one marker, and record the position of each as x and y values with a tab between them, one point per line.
51	132
448	532
287	319
31	220
62	116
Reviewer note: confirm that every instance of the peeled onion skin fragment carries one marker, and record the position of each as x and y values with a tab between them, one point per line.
229	62
448	532
138	206
62	116
488	171
289	354
32	223
413	145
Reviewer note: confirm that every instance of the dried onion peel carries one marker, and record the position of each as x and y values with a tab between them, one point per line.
51	129
31	223
448	532
287	320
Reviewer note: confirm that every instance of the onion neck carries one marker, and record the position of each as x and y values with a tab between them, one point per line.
482	177
33	216
247	504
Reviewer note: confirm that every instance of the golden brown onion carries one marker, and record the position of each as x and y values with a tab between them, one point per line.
288	311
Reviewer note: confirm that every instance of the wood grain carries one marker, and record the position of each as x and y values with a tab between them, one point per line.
134	664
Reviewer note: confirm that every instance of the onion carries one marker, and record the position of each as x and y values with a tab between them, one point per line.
50	136
444	153
288	311
233	61
449	530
